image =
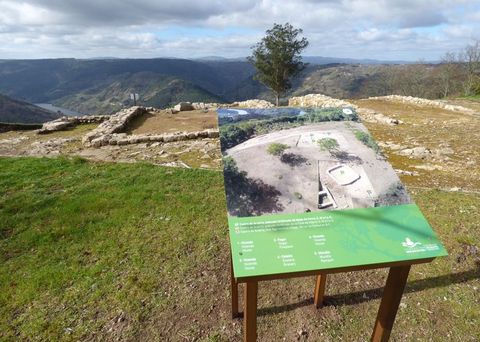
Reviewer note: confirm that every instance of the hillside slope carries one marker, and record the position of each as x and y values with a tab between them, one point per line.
44	81
71	82
154	90
15	111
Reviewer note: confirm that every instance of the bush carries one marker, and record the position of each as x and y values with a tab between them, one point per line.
328	144
277	149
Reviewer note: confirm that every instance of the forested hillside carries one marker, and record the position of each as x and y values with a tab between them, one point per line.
14	111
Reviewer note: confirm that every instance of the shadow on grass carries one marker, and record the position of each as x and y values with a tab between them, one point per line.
368	295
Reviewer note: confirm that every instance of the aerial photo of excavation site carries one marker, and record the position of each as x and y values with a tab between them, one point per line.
292	160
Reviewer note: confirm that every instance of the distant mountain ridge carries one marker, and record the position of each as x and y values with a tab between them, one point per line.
61	81
103	86
14	111
320	60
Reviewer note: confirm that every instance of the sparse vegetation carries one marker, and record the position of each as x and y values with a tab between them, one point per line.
328	144
277	149
367	140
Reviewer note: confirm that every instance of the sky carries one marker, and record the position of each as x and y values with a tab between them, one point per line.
383	29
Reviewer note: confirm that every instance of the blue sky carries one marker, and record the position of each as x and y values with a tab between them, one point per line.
382	29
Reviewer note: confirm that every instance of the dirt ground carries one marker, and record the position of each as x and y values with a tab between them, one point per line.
164	122
434	129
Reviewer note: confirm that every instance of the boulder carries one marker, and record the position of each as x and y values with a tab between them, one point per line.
54	126
183	106
416	152
444	151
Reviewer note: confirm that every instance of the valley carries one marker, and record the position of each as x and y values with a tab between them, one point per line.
103	86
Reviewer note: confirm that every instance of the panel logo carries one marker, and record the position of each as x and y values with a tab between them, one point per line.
409	243
418	247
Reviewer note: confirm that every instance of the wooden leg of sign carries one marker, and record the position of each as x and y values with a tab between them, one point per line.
250	312
234	293
319	290
392	294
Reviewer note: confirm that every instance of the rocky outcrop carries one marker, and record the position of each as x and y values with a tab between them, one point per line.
183	106
67	122
54	126
187	106
370	115
419	152
207	106
50	147
115	124
318	100
424	102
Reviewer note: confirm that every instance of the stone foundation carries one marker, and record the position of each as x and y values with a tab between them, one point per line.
71	121
424	102
124	139
115	124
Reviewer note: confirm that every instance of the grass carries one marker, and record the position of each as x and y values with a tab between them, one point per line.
367	140
472	97
92	251
83	245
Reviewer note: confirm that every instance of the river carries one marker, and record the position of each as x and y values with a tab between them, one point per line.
55	109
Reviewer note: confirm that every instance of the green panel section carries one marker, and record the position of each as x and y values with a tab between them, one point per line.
284	243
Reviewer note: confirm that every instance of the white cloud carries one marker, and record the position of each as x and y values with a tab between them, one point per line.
390	29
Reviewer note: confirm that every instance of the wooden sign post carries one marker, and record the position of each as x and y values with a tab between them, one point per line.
392	295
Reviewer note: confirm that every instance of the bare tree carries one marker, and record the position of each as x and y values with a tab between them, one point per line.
412	78
470	58
448	71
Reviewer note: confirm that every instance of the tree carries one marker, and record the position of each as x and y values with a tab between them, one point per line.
277	57
471	62
447	73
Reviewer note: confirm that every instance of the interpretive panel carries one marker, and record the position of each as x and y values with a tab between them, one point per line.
309	189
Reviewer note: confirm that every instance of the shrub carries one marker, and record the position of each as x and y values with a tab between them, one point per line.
328	144
277	149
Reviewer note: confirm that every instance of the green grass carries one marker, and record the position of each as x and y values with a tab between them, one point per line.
82	242
472	97
92	251
367	140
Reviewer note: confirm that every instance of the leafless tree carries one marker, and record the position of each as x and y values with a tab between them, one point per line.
447	72
470	58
